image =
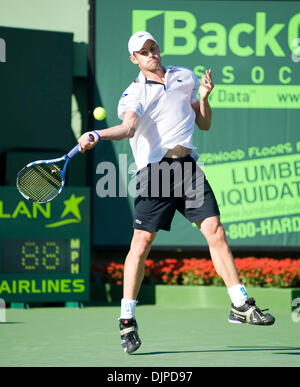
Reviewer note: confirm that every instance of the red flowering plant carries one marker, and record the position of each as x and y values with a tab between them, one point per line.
262	272
167	271
269	272
149	277
199	272
112	272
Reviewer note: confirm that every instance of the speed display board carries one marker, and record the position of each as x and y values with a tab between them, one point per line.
41	256
251	154
44	248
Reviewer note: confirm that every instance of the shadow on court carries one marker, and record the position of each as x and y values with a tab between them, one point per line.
232	349
10	322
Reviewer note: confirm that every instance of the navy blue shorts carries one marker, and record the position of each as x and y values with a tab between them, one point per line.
170	185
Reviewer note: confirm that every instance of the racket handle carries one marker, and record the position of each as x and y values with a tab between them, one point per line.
73	151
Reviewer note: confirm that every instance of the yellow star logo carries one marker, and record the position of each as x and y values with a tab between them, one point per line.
71	206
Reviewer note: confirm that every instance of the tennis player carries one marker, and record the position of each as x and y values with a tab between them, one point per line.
158	112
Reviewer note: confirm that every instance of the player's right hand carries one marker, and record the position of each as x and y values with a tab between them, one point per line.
85	143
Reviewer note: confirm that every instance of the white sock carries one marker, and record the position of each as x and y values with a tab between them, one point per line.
238	294
128	308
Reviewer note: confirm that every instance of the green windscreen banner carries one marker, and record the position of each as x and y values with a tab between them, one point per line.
251	154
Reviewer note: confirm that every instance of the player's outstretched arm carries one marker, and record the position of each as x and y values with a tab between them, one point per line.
125	130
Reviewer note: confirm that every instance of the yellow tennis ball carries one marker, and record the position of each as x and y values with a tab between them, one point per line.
99	113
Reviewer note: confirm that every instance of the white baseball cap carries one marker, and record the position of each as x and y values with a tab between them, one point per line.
137	41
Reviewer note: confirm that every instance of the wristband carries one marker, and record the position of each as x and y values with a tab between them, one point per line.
97	134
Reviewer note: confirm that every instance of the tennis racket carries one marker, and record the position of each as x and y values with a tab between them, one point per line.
42	180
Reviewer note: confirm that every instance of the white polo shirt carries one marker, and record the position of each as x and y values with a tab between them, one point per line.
166	117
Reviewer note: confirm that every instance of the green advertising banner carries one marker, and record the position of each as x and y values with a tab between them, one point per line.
45	248
251	154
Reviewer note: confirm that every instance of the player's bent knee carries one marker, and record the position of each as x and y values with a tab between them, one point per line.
142	242
144	236
216	235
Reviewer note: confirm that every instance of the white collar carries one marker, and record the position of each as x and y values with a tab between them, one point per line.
142	79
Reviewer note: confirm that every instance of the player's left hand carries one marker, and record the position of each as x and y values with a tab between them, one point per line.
206	84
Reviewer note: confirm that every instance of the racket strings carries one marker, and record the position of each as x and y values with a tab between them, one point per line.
35	184
40	182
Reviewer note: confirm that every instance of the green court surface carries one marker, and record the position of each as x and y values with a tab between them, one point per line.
171	337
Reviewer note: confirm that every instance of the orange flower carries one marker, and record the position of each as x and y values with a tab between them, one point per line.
200	271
